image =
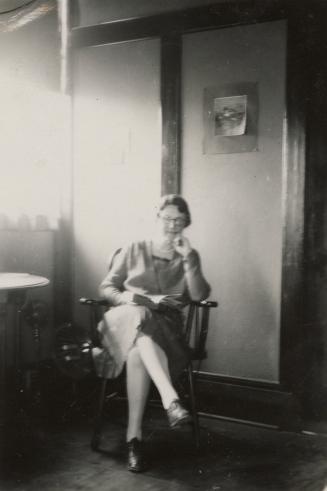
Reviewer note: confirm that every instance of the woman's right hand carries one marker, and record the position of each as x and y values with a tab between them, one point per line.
182	246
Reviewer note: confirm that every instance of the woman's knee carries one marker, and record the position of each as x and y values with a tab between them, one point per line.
144	341
134	357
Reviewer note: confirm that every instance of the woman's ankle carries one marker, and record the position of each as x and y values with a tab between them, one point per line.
168	399
133	434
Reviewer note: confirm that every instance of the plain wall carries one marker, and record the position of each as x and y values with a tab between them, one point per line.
117	155
32	120
237	198
32	150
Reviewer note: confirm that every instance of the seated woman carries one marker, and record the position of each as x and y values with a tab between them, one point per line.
145	334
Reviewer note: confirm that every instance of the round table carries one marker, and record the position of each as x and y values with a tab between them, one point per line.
13	288
20	281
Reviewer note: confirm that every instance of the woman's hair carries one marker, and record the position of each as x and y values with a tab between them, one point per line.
179	202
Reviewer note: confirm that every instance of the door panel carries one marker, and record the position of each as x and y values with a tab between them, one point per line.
237	198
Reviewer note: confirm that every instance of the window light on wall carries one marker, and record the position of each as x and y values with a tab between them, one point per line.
34	149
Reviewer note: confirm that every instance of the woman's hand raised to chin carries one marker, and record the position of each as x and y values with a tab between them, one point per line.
182	246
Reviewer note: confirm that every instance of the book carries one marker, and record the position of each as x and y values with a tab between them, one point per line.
158	301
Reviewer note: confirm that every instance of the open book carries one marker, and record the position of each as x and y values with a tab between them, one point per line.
157	301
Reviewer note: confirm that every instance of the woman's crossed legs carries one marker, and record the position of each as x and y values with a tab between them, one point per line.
146	361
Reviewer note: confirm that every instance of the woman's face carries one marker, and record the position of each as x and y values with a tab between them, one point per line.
171	221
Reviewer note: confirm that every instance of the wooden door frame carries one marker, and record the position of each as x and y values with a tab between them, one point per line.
170	28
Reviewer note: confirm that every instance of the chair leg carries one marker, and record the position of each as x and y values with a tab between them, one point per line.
98	419
196	428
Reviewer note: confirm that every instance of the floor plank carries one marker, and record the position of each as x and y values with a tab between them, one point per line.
232	457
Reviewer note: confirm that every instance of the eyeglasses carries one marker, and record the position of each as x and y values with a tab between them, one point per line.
179	221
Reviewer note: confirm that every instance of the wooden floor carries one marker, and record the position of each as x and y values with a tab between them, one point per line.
232	457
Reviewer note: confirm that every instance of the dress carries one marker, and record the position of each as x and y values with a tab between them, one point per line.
134	270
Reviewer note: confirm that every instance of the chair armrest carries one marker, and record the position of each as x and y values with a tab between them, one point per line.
93	301
105	303
204	303
95	308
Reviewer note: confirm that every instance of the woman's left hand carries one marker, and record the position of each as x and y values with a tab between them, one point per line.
182	246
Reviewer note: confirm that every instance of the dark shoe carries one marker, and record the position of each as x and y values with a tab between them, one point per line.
177	415
135	456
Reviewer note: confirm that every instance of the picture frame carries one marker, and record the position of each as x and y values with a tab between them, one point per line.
230	114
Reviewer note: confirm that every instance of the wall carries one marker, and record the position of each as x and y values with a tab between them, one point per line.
32	150
117	155
32	140
237	198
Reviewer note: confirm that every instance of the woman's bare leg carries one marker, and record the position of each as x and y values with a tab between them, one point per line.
138	384
156	363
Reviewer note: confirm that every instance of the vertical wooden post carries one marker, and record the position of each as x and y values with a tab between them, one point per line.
64	16
63	279
292	344
315	250
171	113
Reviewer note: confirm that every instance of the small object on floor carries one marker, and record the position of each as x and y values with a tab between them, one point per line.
177	414
135	457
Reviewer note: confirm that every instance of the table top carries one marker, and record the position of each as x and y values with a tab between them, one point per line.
17	281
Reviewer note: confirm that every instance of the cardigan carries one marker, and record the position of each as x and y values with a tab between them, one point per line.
135	270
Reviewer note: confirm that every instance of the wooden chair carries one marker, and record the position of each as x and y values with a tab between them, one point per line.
195	332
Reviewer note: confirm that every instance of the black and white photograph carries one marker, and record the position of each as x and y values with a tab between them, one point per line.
230	115
163	245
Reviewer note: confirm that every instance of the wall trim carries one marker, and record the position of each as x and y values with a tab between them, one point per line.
182	21
240	381
248	401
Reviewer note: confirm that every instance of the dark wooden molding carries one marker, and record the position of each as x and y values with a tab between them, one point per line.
222	14
296	324
291	352
258	403
171	52
305	204
240	382
315	245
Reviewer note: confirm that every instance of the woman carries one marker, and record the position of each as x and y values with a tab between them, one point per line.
145	334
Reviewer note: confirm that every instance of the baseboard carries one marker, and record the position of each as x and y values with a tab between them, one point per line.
261	403
231	399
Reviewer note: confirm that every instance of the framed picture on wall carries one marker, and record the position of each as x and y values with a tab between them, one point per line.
230	118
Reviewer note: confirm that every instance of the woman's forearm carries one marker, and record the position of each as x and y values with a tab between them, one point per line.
197	285
111	288
115	296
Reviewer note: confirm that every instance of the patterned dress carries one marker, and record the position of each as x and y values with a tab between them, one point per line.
136	271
